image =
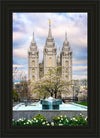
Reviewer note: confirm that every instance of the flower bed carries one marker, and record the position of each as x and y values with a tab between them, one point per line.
61	120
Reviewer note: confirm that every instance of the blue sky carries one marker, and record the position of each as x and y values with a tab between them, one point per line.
24	24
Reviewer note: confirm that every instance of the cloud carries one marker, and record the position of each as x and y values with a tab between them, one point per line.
18	66
15	16
28	23
79	77
79	72
20	53
75	61
75	24
20	74
18	36
38	22
79	68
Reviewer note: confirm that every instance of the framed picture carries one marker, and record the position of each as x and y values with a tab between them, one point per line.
49	69
50	78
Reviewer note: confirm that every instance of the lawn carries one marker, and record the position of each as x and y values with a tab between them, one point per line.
82	103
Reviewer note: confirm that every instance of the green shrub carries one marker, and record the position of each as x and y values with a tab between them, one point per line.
39	120
80	120
60	120
20	122
39	117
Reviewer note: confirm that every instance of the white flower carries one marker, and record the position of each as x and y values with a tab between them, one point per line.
52	123
41	119
30	121
61	115
36	120
60	124
74	119
67	120
47	124
60	121
86	118
43	123
61	118
58	117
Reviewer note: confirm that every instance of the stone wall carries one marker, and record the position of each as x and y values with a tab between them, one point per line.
47	113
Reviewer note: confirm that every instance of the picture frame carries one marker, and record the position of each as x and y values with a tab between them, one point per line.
7	8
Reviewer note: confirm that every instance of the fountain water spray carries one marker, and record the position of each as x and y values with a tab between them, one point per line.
51	103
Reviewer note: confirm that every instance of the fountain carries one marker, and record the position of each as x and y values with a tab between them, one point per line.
51	103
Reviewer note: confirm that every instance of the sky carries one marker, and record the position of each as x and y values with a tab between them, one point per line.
24	24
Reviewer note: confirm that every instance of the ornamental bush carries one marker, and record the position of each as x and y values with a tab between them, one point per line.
60	120
19	122
40	119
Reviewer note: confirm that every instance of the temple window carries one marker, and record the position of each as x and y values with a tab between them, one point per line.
66	70
66	77
33	78
67	63
33	63
33	70
50	62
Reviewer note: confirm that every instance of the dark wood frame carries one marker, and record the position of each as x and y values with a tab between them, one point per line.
9	6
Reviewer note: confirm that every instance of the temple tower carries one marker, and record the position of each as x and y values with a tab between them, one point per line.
66	60
49	52
58	58
33	61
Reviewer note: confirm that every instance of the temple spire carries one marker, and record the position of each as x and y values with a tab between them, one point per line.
49	34
33	40
65	37
59	51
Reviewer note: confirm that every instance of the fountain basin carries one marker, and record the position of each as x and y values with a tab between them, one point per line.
68	109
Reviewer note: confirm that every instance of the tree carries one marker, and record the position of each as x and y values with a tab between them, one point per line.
51	84
24	86
15	95
22	89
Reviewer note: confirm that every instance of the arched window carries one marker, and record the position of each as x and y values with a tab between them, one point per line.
50	62
67	70
67	77
33	70
33	78
33	63
67	63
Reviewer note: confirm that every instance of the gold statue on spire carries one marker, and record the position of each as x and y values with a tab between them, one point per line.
49	21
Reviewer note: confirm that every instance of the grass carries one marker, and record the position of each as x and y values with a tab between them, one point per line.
82	103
